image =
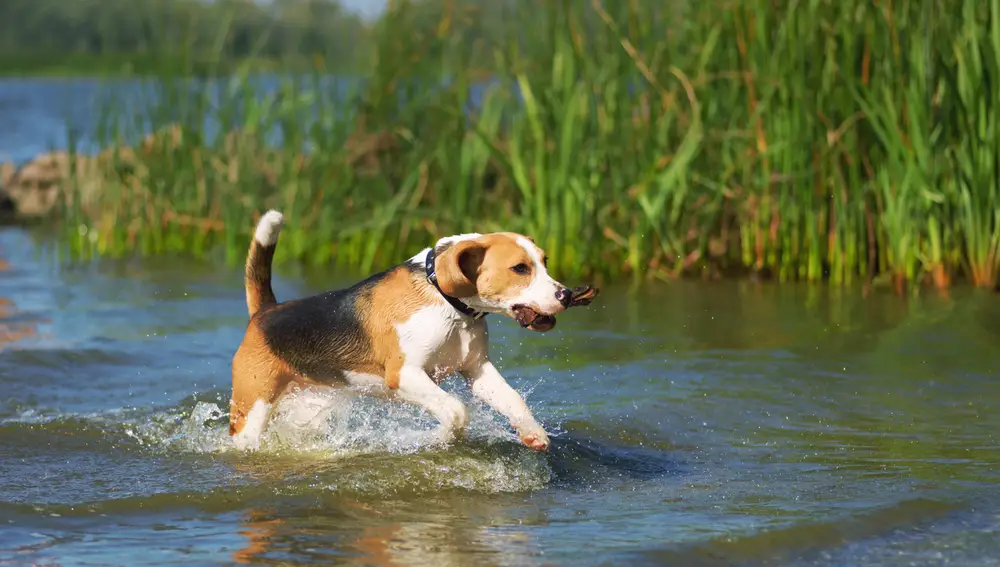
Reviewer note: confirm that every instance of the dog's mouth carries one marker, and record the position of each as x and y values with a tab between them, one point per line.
531	319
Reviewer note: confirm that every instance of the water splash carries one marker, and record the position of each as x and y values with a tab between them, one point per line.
326	422
332	441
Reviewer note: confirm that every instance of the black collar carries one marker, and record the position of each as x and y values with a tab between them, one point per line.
455	302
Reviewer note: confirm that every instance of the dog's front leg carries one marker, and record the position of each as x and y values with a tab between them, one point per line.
416	387
489	386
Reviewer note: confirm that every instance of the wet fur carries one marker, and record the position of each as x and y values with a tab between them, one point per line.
392	329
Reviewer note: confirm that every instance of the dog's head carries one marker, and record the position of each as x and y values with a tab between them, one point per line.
503	273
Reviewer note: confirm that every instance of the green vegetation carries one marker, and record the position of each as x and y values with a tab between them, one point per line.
805	140
151	37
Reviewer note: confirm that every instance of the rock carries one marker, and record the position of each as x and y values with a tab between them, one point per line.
33	189
7	171
36	188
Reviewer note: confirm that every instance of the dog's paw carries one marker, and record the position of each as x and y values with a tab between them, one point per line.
455	416
536	441
245	443
441	437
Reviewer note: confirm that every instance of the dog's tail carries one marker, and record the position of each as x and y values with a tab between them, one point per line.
259	257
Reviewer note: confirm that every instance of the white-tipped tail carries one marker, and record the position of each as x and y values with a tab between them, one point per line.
259	257
269	227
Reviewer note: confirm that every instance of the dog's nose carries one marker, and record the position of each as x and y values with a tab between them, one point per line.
564	296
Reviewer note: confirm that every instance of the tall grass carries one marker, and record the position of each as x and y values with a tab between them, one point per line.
805	140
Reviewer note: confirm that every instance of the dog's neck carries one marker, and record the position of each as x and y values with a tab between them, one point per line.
458	304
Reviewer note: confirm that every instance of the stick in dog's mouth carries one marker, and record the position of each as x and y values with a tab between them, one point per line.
531	319
583	295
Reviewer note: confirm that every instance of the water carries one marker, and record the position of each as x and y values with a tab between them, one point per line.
42	115
720	423
692	424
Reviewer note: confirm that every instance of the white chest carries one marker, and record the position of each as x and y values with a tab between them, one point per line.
440	341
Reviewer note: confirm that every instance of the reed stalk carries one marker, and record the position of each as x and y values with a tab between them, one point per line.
807	140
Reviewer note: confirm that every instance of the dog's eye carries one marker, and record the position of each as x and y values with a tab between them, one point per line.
521	269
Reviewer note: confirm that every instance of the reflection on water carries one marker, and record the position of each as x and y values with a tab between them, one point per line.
11	330
394	536
695	423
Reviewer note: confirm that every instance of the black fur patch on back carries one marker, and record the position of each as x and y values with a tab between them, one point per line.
319	335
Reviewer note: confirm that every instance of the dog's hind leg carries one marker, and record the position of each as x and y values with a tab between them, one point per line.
258	382
248	426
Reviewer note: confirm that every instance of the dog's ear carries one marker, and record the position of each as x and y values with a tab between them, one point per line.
458	267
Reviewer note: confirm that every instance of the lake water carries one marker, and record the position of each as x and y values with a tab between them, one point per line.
692	424
39	115
34	114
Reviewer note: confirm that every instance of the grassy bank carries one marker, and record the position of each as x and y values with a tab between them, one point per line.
840	140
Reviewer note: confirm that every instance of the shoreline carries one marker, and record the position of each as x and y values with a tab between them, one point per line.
44	232
44	180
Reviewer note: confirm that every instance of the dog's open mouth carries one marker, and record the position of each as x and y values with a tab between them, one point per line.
531	319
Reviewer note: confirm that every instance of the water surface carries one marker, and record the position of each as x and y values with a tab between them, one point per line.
694	423
41	115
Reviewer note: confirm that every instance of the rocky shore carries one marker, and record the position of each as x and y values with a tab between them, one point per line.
35	189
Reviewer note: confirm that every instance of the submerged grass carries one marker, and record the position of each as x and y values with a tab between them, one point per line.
807	140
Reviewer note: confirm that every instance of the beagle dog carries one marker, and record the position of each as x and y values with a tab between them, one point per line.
402	331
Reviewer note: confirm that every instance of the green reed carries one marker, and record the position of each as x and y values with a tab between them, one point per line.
807	140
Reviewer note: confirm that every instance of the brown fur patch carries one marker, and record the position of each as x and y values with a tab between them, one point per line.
257	375
258	277
457	268
394	300
483	267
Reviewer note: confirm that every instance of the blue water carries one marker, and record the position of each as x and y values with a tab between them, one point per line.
41	115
